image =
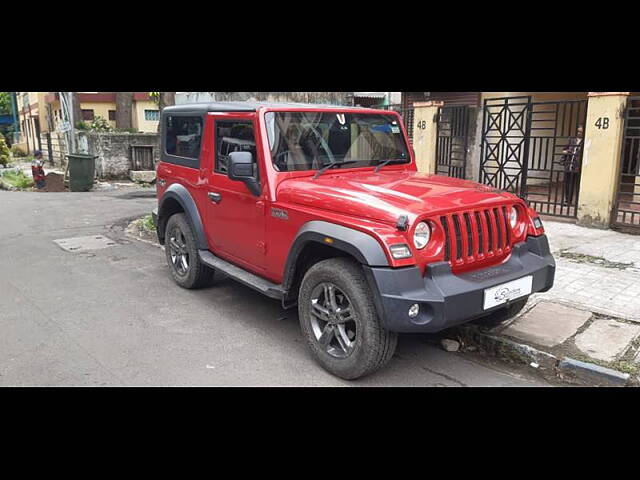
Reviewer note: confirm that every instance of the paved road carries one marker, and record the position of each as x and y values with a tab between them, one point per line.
114	317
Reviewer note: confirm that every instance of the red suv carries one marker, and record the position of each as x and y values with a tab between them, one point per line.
322	207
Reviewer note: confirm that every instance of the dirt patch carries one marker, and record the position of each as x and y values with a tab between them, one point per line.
601	262
54	182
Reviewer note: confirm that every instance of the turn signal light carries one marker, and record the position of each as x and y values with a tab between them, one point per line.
400	251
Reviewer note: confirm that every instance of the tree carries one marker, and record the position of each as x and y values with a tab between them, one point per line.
4	151
77	108
124	106
5	103
163	99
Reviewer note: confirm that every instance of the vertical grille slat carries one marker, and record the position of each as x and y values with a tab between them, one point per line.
459	237
499	228
447	242
470	229
476	235
490	232
453	237
482	237
506	227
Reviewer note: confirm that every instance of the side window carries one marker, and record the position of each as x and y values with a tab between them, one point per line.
183	136
233	136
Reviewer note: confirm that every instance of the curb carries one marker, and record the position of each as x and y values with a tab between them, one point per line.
566	369
592	373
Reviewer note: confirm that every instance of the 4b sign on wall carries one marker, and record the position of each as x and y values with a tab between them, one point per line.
602	123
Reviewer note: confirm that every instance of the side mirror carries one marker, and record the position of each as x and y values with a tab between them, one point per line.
240	168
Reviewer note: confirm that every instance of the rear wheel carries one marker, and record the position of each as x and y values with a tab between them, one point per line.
503	315
339	320
182	254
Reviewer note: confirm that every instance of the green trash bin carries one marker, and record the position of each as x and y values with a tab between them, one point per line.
82	169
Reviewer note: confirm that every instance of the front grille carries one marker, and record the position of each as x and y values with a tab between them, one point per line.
476	235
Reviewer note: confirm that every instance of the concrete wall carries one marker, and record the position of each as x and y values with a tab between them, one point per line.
425	135
113	151
335	98
601	159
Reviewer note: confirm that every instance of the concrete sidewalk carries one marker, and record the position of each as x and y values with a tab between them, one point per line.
586	329
598	269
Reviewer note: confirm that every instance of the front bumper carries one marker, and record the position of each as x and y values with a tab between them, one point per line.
446	299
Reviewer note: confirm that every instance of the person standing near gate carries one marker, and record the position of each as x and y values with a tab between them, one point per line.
571	160
37	169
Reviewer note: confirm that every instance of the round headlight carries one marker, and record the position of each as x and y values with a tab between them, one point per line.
421	235
513	217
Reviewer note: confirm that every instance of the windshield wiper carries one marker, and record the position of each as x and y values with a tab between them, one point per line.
331	165
387	162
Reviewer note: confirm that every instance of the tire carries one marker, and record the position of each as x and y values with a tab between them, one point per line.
503	315
348	345
180	241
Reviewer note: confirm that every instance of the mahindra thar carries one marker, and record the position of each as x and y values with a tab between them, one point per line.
323	207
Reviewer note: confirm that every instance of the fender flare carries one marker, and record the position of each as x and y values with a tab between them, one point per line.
363	247
180	194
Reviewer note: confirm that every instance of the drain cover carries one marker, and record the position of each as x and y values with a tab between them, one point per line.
83	244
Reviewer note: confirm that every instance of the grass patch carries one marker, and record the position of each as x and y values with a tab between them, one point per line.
147	224
144	228
18	180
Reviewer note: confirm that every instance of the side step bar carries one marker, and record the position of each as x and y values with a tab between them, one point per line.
249	279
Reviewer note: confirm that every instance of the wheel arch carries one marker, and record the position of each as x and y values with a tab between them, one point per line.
317	241
177	199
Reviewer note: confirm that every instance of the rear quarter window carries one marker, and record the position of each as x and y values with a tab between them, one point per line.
183	139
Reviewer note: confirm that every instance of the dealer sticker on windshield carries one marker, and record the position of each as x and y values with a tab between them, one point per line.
500	294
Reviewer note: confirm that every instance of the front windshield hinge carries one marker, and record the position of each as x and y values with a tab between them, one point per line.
403	223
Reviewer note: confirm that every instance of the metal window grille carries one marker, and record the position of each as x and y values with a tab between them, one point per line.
152	115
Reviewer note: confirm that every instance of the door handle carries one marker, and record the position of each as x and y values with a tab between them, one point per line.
214	197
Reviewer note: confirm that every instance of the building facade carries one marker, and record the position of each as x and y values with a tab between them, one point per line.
333	98
40	115
530	143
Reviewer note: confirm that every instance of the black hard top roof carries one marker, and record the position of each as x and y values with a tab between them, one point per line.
245	106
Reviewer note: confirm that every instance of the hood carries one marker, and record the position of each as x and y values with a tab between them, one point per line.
387	195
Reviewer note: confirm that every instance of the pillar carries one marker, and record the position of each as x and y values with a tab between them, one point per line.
425	134
601	157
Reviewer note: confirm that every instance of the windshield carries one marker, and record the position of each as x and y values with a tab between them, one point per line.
313	140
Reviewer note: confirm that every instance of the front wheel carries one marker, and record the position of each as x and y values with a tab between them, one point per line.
339	320
182	254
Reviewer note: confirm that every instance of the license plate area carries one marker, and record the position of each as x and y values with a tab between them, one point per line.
503	293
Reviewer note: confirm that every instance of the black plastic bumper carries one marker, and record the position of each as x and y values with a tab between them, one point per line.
446	299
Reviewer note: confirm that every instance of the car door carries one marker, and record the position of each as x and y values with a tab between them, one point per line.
236	216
